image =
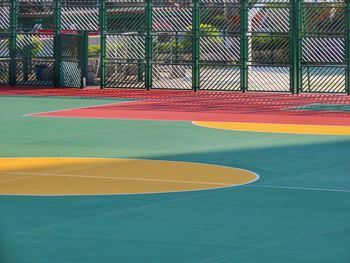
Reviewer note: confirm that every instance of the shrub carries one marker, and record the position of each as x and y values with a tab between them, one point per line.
30	47
94	50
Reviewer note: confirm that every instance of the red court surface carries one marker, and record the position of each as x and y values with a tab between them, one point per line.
91	181
200	106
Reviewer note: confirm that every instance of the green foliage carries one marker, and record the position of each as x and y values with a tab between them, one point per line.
115	47
262	41
94	50
272	5
183	44
30	47
218	21
209	30
178	45
266	42
37	46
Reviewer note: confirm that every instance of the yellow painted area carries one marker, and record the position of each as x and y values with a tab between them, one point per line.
87	176
278	128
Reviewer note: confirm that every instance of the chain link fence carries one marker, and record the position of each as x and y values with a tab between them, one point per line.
222	45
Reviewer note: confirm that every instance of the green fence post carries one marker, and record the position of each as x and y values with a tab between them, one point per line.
244	45
347	23
295	25
195	45
103	28
56	48
12	43
84	57
148	45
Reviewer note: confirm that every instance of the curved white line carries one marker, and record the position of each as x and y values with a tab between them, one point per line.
141	193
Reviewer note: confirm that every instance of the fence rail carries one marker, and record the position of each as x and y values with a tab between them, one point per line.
230	45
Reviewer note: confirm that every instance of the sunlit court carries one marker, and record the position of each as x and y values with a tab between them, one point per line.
174	131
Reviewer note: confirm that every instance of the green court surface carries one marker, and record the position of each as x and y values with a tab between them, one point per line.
298	211
324	107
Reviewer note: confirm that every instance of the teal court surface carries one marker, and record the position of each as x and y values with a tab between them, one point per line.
137	176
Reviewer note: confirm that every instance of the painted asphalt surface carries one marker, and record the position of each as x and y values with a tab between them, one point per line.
299	210
58	176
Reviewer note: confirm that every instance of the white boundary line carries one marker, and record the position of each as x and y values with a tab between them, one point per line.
141	193
100	118
105	118
15	179
248	184
77	108
114	178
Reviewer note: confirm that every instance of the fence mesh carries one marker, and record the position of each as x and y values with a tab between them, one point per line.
70	74
220	45
4	42
323	41
125	44
5	16
229	45
34	59
172	44
269	45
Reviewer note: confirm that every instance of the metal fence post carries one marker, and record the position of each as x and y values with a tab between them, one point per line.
195	45
56	50
149	45
347	23
103	27
84	57
12	42
244	45
295	25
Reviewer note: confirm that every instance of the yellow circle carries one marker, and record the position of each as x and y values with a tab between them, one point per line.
277	128
96	176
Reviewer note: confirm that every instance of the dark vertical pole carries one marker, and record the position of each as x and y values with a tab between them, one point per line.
195	45
244	45
56	48
103	28
148	47
295	25
84	57
12	42
347	23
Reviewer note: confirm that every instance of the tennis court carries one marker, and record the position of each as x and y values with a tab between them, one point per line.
151	176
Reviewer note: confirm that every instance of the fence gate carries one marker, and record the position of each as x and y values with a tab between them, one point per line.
70	60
